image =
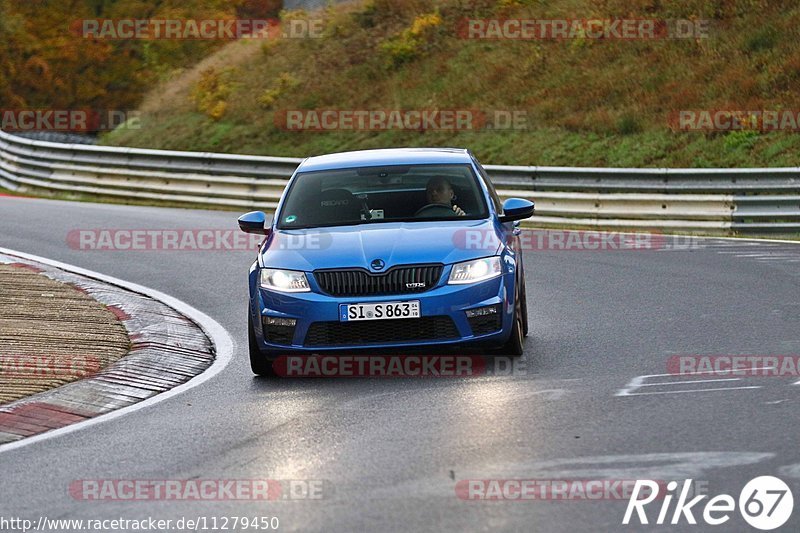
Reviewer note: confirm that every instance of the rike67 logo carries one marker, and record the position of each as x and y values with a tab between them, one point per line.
765	503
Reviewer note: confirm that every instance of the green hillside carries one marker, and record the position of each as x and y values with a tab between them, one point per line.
588	102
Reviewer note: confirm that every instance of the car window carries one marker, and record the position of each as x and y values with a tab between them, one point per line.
498	203
373	195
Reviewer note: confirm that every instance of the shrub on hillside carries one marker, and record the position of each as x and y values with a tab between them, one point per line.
413	41
210	94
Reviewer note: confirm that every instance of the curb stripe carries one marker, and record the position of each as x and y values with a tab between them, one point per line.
112	396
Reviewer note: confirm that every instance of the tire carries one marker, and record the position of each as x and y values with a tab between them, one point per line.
514	347
524	304
259	363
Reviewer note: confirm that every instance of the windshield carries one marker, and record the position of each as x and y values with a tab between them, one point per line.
372	195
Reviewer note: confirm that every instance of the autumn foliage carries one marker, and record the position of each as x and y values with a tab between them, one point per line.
46	63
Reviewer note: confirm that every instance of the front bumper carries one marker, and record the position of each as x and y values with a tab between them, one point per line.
443	322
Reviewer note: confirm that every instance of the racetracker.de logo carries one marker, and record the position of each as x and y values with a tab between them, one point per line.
257	490
763	120
321	120
184	240
175	489
735	365
596	29
546	489
48	366
397	366
67	120
197	29
566	240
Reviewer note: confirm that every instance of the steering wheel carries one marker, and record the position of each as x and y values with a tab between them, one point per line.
435	210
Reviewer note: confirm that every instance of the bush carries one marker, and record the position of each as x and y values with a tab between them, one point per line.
628	124
210	94
740	140
411	43
284	83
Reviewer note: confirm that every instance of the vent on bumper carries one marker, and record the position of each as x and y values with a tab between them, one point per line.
482	325
381	331
275	334
398	280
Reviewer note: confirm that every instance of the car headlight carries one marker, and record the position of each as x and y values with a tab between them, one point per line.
475	270
283	280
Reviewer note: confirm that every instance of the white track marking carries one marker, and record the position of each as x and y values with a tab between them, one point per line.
690	391
792	471
690	381
640	381
223	345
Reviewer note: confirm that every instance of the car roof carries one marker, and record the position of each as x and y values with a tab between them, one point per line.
389	156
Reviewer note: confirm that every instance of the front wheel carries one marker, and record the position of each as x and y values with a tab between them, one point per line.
259	363
514	346
524	306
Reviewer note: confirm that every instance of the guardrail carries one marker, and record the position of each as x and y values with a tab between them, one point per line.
685	200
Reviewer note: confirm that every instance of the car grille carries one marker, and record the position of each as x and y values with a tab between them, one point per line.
381	331
357	282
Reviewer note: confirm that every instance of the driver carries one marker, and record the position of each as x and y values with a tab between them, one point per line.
440	191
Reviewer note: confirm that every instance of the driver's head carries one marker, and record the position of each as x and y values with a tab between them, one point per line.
439	191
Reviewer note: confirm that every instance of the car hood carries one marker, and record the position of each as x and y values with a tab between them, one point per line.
396	243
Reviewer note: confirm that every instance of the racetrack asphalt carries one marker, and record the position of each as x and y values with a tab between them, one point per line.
391	451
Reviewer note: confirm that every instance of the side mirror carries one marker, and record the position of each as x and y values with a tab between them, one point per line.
516	209
254	222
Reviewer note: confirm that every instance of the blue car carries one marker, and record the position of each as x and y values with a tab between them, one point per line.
397	249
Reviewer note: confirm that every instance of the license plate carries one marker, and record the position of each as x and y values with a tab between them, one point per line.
381	311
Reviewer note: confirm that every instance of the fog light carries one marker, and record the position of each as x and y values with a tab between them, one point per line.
286	322
482	311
